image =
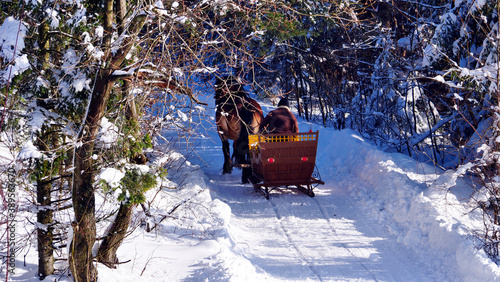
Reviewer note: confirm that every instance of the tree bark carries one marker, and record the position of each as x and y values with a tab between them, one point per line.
107	250
45	235
84	226
44	215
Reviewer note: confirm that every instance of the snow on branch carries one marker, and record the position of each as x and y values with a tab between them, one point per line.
420	137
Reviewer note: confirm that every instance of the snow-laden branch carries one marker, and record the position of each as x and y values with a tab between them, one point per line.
414	140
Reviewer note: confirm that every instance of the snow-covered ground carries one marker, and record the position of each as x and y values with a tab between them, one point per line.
380	216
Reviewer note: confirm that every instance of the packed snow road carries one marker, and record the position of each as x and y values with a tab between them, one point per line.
329	237
325	238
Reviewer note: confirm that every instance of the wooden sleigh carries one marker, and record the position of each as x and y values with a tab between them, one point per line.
284	160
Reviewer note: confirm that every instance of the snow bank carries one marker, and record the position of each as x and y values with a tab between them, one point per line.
189	239
192	239
413	200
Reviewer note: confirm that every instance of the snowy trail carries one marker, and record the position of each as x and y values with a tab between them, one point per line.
326	238
294	237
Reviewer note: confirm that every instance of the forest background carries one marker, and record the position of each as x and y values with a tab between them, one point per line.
88	85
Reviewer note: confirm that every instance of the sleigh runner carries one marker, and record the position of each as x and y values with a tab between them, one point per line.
284	160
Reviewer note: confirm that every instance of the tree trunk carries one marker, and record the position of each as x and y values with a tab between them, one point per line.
84	229
44	232
303	93
44	215
117	231
107	250
295	79
84	226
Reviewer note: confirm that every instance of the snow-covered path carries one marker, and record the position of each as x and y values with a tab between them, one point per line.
326	238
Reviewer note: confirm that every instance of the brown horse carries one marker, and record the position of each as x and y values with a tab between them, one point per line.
237	116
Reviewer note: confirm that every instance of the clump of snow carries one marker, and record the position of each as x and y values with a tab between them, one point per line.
36	120
182	116
29	151
108	134
21	64
81	83
159	4
80	16
54	18
12	33
206	70
70	60
99	31
112	176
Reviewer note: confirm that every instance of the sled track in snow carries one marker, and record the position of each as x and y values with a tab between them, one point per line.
291	242
327	217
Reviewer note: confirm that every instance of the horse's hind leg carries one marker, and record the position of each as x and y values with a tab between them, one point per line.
246	174
242	156
228	167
